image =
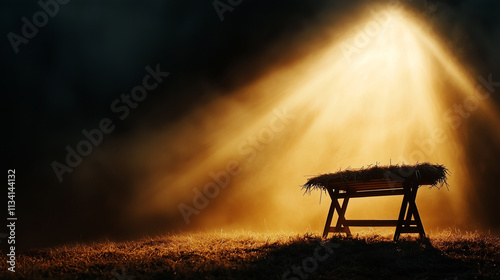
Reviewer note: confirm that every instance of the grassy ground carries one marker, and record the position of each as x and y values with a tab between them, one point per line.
249	255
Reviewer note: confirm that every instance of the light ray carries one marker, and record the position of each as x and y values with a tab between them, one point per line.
384	103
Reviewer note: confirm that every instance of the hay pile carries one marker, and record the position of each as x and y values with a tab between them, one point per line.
420	174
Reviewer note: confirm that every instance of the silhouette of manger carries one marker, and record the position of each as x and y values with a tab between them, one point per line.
378	181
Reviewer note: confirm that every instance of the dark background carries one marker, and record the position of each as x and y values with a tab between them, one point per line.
66	77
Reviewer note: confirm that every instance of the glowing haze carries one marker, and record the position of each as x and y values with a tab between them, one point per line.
384	91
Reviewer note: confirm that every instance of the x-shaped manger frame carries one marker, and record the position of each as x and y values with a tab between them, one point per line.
407	222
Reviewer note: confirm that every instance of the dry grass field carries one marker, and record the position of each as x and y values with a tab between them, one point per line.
449	254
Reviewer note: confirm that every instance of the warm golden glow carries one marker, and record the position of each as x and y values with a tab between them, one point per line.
380	94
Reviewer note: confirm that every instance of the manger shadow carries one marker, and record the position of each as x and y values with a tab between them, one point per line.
353	258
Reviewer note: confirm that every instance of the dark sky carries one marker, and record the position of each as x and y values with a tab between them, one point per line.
90	52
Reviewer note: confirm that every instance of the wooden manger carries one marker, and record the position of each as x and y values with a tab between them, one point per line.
378	181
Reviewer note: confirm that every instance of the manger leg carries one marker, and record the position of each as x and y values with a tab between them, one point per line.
341	227
329	219
402	213
333	206
409	213
413	208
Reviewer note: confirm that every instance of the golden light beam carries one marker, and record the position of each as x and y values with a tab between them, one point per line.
382	101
